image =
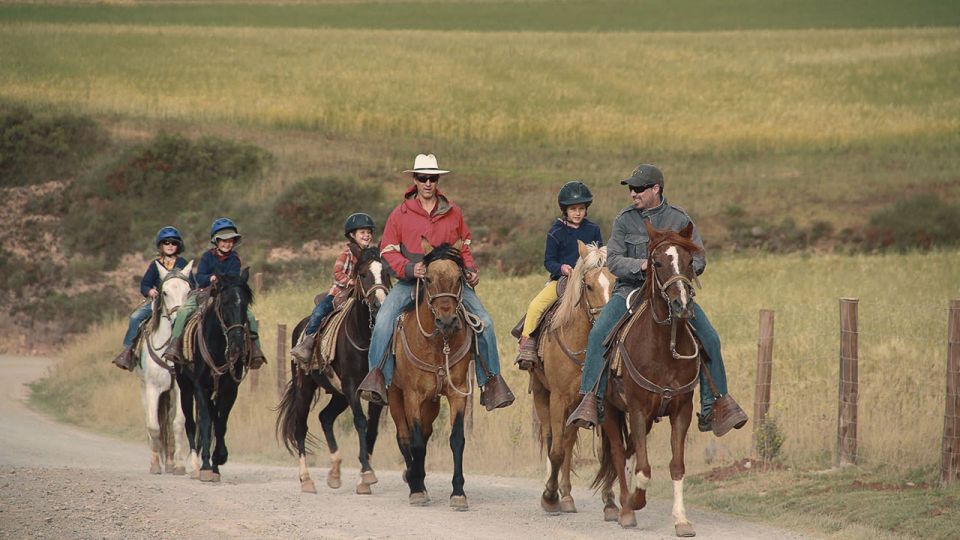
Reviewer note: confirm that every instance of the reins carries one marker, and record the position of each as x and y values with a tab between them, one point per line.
166	314
217	371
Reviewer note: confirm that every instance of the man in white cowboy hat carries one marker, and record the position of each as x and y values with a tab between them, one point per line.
427	213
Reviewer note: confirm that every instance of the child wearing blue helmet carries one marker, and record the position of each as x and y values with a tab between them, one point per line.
222	259
169	245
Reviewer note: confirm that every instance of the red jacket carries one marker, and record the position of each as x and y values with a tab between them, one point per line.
400	244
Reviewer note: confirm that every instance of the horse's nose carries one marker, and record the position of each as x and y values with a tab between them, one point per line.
447	325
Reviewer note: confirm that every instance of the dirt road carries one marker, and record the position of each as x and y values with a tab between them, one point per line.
57	481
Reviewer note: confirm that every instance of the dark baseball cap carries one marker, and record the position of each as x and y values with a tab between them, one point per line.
644	175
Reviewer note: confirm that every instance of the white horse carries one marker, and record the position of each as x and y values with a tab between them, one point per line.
158	384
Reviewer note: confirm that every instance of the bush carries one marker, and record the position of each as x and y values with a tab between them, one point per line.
315	208
782	238
36	149
768	439
922	222
170	180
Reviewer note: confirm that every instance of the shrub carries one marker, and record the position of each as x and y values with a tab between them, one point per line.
922	222
315	208
38	148
768	439
170	180
782	238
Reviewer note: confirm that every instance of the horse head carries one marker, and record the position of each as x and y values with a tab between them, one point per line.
174	288
443	284
670	268
234	296
373	280
589	286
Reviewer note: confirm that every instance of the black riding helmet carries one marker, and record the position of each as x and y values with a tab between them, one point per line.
358	221
574	192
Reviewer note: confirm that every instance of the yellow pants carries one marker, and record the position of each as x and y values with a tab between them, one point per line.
540	303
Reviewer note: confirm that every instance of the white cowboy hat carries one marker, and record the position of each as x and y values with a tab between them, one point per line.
425	164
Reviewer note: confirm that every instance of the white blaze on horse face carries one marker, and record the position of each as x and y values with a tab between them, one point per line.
679	512
675	261
604	286
376	268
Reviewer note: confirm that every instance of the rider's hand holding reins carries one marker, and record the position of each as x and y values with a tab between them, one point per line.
472	278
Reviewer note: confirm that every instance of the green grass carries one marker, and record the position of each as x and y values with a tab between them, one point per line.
563	16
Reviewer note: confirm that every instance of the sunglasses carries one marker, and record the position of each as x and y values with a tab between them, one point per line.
641	189
168	243
424	178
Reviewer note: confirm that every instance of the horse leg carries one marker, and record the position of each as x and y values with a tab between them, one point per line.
399	415
205	407
373	425
151	402
567	504
178	429
458	440
549	500
639	426
679	423
187	397
367	476
612	430
328	415
425	411
301	410
225	401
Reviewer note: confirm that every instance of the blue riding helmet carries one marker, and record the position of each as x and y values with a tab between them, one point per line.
358	221
224	229
170	233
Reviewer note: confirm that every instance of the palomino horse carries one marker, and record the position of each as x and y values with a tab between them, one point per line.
434	348
350	366
158	384
555	383
220	354
661	360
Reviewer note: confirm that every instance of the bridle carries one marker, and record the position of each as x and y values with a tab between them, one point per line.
661	287
169	316
365	295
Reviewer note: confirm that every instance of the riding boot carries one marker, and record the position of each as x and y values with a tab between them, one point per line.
496	394
373	388
527	353
585	415
125	359
174	352
257	358
303	352
726	415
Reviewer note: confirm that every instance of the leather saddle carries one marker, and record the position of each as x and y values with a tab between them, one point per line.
545	316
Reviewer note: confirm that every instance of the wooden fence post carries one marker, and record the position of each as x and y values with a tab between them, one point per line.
257	283
950	455
761	403
281	358
849	382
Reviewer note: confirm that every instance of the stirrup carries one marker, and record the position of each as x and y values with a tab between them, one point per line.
373	388
585	416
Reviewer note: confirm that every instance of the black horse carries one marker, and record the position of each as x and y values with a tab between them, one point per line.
212	380
350	366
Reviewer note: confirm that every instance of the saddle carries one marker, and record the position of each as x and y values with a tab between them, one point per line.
325	345
143	330
545	316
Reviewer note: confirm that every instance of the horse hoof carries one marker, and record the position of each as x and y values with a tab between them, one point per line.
368	477
208	476
628	520
611	513
307	486
216	477
567	506
195	474
419	499
459	503
333	482
685	530
549	506
363	489
179	471
155	468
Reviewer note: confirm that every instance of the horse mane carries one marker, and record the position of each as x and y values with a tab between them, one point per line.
674	239
444	252
231	280
366	255
569	304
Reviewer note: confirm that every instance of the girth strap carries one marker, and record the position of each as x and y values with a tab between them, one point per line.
666	394
439	371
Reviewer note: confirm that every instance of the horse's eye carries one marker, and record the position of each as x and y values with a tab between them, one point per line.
657	264
589	287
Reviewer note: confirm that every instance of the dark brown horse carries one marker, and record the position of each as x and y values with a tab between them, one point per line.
433	349
350	366
661	362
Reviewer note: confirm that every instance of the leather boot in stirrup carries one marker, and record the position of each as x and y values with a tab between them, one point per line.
726	415
125	359
303	352
496	394
585	415
527	353
373	388
174	352
257	358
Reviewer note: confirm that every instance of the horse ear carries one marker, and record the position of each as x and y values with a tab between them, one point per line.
355	249
458	244
652	232
245	274
188	268
582	248
687	232
425	246
163	271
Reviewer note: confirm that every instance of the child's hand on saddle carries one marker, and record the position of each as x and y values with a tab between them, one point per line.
153	293
565	269
472	278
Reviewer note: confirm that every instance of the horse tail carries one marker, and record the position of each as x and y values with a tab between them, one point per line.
288	411
608	472
165	419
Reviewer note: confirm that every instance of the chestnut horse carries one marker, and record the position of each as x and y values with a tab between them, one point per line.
555	383
434	345
661	359
350	366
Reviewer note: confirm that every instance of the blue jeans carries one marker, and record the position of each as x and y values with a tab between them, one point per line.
399	299
321	310
594	371
139	315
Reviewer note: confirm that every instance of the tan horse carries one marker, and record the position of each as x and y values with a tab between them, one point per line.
433	346
661	363
555	382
